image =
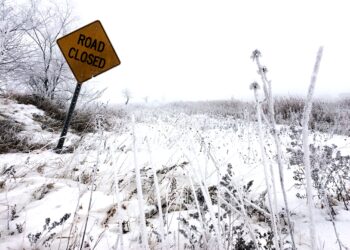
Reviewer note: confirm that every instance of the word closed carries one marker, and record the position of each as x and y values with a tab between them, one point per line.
88	51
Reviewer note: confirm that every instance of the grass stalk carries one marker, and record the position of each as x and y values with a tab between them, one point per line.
119	209
159	200
269	98
204	189
94	172
139	191
198	208
277	234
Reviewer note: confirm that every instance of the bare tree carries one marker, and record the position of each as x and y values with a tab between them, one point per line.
48	68
127	95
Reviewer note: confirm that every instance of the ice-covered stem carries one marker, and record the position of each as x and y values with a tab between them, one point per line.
119	209
139	190
268	95
210	206
94	172
159	201
241	210
277	239
326	202
306	118
201	220
204	188
240	202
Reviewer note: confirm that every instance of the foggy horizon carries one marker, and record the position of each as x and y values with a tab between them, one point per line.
200	50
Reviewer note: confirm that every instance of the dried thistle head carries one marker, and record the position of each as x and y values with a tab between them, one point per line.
256	53
254	86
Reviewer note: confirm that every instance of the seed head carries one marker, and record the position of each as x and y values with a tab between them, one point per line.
254	86
256	53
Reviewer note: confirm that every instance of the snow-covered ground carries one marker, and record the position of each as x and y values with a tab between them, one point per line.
46	199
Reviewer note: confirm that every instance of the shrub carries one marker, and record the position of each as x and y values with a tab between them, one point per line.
326	116
330	172
219	108
288	109
54	110
10	142
46	236
84	120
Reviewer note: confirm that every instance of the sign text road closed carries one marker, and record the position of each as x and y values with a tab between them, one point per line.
88	51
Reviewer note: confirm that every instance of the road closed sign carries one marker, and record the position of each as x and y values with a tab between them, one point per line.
88	51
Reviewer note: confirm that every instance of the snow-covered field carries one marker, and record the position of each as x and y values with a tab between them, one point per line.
47	199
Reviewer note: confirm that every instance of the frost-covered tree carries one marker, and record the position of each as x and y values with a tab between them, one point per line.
14	50
48	69
127	95
29	55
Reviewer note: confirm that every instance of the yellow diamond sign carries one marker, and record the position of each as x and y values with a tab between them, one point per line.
88	51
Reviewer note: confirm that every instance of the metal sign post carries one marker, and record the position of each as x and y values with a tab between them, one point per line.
88	52
68	118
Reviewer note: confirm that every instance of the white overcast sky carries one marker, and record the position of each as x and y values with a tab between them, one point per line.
200	49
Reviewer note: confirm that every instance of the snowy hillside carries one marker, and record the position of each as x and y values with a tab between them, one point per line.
204	171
